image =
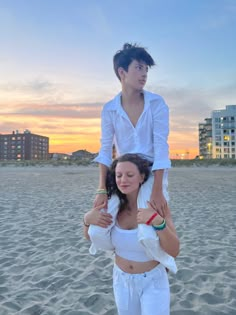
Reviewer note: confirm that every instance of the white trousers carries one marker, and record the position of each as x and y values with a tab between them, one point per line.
142	294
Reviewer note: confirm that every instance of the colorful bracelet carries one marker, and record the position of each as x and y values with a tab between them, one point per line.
101	192
160	227
85	224
152	217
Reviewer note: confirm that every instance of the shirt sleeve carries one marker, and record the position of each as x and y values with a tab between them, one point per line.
107	136
160	112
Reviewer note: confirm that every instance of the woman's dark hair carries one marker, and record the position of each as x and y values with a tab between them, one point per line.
127	54
143	167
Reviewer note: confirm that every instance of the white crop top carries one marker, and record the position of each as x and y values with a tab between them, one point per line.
126	244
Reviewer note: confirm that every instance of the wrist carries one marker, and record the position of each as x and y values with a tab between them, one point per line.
157	191
101	191
157	220
152	217
103	186
160	227
86	221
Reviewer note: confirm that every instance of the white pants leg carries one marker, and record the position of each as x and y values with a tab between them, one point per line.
142	294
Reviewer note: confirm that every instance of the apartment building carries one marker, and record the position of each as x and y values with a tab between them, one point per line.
223	132
217	134
205	138
23	146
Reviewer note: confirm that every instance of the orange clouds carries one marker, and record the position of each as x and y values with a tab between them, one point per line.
71	127
183	142
69	134
68	127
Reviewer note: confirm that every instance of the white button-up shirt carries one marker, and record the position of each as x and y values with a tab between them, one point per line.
148	138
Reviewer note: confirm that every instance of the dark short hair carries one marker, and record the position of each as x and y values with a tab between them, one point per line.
127	54
143	166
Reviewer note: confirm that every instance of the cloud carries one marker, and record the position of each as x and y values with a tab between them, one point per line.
39	86
190	106
29	92
42	91
34	86
73	111
80	121
186	107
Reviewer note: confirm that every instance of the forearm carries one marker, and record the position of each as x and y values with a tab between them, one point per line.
169	241
86	235
86	227
160	136
102	176
167	236
157	184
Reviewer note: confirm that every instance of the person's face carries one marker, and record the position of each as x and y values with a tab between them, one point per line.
136	76
128	177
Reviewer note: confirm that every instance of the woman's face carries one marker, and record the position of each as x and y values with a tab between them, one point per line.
128	177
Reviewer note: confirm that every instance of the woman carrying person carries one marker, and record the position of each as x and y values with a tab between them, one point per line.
140	283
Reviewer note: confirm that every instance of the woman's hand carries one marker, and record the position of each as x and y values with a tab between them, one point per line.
159	203
144	214
98	217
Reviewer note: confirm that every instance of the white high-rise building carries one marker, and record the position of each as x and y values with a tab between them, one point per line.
223	132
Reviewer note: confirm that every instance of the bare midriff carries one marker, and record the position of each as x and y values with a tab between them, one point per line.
131	266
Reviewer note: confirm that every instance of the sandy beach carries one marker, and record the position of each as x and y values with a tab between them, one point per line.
45	266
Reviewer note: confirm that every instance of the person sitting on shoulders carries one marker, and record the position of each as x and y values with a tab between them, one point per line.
135	121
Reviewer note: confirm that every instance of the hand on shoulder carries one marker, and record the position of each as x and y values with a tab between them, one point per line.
98	217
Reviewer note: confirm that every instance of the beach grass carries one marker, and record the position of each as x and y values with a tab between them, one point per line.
88	162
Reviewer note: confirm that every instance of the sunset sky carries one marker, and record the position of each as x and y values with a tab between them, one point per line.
56	64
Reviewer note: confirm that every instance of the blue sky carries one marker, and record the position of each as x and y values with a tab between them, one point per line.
56	63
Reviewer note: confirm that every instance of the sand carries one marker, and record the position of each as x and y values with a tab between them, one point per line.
45	267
